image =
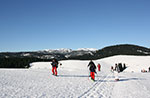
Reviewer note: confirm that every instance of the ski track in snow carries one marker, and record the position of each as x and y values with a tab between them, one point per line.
102	88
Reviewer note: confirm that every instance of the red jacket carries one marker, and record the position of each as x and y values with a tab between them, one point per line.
98	65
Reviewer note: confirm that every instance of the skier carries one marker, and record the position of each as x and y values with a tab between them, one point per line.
112	69
149	69
124	66
92	69
117	70
99	67
54	66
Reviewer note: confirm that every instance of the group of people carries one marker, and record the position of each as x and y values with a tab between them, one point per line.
118	67
143	70
92	68
91	65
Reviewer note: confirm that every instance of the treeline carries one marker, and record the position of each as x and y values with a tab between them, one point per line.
115	50
18	62
122	50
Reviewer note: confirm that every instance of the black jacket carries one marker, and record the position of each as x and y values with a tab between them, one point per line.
54	64
92	67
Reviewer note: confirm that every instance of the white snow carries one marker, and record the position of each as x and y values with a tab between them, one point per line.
62	50
26	54
73	81
134	63
67	56
66	50
87	49
142	52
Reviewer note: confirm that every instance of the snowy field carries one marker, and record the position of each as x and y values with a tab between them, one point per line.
73	80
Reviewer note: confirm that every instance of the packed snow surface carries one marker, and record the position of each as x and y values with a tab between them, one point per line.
73	80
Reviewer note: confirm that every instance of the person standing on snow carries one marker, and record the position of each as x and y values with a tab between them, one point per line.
54	66
112	69
92	69
99	67
117	70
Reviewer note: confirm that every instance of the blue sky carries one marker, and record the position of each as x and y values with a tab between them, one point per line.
27	25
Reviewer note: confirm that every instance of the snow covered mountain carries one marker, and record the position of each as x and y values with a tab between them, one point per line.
62	50
50	53
65	50
87	49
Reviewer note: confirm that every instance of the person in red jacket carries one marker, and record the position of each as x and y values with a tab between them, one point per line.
99	67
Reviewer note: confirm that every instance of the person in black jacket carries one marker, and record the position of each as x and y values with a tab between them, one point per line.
117	70
92	68
54	66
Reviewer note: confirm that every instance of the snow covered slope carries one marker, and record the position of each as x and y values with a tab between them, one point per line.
133	63
73	80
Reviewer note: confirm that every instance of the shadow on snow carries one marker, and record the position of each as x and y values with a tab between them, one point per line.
88	76
77	76
121	80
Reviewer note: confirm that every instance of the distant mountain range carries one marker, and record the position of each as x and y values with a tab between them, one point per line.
82	53
23	59
49	54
